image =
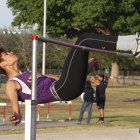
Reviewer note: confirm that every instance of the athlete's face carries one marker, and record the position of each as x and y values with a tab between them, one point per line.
8	58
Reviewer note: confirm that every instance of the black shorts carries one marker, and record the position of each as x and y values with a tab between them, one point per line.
100	103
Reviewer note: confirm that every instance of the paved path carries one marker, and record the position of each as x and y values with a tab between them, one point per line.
124	134
108	134
40	124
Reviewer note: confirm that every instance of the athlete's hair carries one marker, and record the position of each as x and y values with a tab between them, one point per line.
2	71
1	51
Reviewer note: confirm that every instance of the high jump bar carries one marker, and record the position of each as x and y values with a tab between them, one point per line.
69	45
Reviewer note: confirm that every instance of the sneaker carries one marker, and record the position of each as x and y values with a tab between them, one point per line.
78	122
136	51
100	121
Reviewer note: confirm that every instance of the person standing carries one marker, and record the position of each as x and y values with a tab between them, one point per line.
101	85
88	98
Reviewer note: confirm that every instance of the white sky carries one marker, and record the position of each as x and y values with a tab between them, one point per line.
5	15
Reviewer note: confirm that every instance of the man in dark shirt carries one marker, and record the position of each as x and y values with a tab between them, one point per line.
101	85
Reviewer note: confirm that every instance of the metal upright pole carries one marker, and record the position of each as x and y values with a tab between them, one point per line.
34	67
30	105
44	34
34	87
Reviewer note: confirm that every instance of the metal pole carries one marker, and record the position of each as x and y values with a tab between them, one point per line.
34	87
43	39
34	66
44	34
30	105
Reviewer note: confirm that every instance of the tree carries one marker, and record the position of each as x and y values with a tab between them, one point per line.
73	17
114	72
27	12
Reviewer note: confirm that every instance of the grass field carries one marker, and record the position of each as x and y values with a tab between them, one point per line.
122	110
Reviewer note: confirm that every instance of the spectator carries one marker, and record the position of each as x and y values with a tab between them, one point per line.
101	84
88	98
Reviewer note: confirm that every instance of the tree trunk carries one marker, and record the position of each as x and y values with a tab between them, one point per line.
114	73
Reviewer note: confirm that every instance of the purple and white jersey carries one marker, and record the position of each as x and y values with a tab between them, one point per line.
44	85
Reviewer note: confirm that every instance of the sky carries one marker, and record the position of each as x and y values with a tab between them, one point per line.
5	15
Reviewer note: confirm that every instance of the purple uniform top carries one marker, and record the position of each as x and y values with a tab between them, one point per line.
44	85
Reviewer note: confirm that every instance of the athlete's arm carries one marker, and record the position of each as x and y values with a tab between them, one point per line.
12	88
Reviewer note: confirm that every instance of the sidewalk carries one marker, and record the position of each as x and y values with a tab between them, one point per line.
40	124
107	134
124	134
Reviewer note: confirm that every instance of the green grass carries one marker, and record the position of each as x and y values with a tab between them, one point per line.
122	111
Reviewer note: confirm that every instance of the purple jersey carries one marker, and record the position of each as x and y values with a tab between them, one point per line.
44	84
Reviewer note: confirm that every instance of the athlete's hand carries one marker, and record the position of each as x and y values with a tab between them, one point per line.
15	119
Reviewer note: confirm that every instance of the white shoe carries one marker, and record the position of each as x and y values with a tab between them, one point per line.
136	51
78	122
100	121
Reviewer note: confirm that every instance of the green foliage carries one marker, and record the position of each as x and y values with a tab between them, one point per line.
73	17
26	12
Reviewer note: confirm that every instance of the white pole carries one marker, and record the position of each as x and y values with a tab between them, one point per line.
28	120
44	34
34	66
30	106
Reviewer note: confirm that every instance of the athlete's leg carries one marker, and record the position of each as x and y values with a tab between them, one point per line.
73	77
113	43
103	42
74	72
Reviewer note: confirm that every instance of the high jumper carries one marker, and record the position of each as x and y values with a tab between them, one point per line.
74	72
